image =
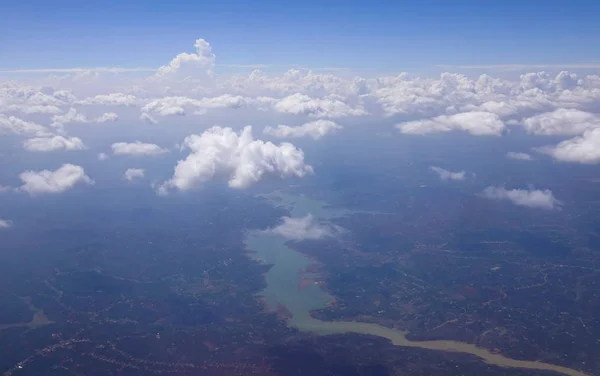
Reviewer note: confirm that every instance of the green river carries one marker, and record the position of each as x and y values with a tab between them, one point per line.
283	281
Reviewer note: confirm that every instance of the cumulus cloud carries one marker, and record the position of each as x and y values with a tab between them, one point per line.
197	65
531	198
562	121
5	223
15	125
315	129
72	116
301	104
51	143
243	159
582	149
476	123
302	228
137	148
180	105
448	175
519	156
102	156
133	173
52	182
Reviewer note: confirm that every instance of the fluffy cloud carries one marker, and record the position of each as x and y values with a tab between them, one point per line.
51	182
223	152
582	149
72	116
5	223
102	156
519	156
197	65
302	228
476	123
133	173
562	121
137	148
315	129
531	198
301	104
52	143
448	175
184	105
15	125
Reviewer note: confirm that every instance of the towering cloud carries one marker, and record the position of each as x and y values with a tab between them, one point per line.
198	65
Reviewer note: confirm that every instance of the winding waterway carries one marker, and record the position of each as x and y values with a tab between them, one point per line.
285	278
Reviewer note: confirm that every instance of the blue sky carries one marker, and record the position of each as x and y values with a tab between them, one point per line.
378	36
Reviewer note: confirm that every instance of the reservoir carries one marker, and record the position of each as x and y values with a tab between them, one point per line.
284	281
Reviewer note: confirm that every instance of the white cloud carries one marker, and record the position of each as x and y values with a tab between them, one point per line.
302	228
476	123
301	104
102	156
137	148
5	223
315	129
519	156
52	143
223	152
562	121
133	173
57	181
107	116
112	99
197	65
448	175
531	198
70	117
168	106
582	149
15	125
